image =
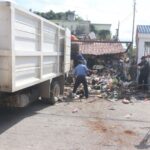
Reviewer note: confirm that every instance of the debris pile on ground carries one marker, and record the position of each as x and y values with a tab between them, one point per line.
109	82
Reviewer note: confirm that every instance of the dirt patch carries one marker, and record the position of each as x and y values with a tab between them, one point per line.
129	132
113	134
98	126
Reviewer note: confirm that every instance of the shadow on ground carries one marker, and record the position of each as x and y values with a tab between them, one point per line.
144	144
11	116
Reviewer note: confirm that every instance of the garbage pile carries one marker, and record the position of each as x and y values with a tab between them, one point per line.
108	82
111	82
108	85
104	86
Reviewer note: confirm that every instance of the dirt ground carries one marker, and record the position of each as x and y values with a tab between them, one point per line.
87	124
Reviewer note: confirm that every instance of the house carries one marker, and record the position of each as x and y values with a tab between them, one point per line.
142	41
95	51
102	31
97	48
99	27
77	27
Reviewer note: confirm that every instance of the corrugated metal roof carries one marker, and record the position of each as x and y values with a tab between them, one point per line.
97	48
143	29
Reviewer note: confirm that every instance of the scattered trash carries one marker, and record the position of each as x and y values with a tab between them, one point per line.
100	96
108	81
77	97
125	101
133	99
93	100
112	108
130	132
75	110
65	98
112	100
56	99
61	99
128	116
146	99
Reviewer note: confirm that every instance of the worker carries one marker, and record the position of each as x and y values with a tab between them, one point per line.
133	70
80	57
126	66
80	72
144	72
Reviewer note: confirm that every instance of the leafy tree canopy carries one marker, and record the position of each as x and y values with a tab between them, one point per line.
104	34
51	15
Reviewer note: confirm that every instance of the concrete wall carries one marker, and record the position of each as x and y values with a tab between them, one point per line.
140	44
99	27
141	39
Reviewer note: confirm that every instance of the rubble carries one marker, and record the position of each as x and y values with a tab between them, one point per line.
125	101
108	82
128	116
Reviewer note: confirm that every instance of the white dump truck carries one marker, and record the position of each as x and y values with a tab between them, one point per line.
34	56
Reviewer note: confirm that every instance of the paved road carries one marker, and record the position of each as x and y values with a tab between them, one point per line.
93	124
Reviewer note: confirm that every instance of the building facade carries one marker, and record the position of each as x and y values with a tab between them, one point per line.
99	27
76	27
142	41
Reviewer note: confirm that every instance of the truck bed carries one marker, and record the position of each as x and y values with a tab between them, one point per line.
32	49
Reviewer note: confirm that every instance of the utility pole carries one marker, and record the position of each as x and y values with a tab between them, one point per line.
118	30
134	8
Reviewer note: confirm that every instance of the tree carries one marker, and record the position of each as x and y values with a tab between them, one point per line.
78	18
51	15
104	35
92	29
80	30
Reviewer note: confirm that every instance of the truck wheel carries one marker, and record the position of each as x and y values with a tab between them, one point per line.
55	92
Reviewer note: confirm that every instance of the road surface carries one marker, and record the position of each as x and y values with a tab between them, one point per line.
93	124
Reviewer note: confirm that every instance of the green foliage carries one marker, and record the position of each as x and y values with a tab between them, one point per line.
104	34
80	30
51	15
132	51
92	28
48	15
78	18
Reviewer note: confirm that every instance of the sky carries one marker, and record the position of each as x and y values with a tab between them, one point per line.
98	11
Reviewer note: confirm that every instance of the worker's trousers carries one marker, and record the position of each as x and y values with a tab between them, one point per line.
81	79
143	82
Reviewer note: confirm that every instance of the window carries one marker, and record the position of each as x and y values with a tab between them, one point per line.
146	48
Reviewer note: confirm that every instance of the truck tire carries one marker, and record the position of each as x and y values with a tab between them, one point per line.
55	92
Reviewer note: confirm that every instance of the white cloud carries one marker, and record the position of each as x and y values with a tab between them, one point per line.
98	11
13	1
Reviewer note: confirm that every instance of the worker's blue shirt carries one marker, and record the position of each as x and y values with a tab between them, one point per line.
81	70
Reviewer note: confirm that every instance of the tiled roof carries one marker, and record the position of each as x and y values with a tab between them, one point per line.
143	29
98	48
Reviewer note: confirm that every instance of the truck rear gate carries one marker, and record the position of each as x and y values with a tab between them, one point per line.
32	50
